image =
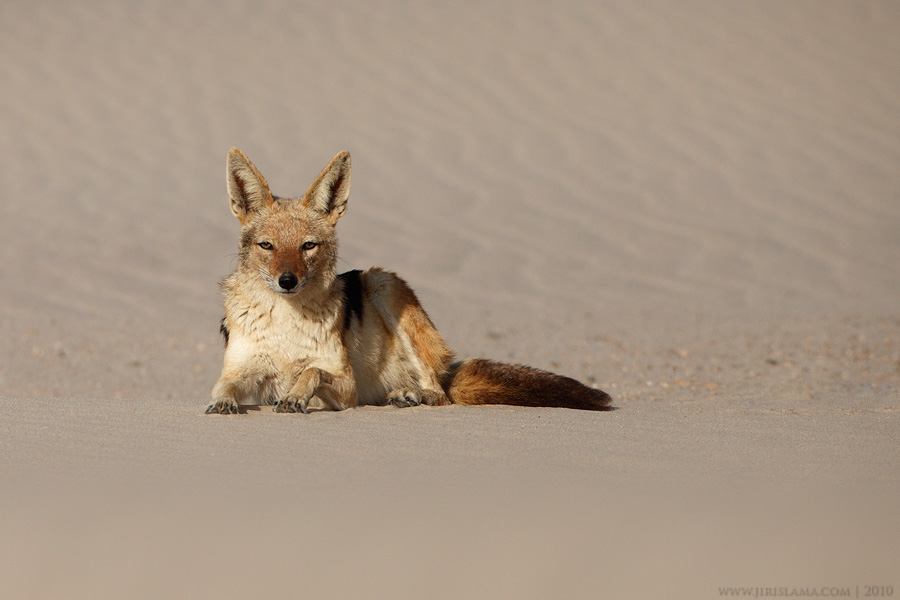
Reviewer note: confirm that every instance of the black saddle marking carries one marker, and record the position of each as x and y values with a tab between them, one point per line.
353	296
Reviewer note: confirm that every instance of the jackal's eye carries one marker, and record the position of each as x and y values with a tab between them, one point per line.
309	245
265	245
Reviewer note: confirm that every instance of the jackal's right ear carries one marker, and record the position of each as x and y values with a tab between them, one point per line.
247	188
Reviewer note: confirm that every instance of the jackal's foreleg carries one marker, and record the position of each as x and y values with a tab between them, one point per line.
336	392
232	386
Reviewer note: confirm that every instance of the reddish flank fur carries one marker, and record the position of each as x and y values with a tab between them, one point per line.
298	335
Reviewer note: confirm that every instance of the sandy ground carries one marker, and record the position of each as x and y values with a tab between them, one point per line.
694	206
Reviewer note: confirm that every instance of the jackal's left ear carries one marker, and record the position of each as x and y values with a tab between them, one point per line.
328	194
247	188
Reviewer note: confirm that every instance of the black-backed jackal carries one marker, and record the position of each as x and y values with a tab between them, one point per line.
297	334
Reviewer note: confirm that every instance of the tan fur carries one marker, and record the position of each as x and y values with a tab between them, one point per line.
299	335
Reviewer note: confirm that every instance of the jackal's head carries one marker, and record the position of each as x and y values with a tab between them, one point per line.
289	242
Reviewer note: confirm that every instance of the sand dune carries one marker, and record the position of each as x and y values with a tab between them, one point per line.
695	206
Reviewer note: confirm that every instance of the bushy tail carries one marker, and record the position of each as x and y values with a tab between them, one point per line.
481	381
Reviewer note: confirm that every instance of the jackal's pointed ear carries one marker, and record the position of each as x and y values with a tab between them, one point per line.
329	192
247	188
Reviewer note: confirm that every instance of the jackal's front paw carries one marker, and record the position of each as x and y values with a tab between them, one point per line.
222	406
291	404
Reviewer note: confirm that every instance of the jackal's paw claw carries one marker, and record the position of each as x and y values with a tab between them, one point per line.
290	405
222	406
404	398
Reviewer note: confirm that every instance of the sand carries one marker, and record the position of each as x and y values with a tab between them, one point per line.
694	206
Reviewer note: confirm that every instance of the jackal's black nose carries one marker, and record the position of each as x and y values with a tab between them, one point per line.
287	281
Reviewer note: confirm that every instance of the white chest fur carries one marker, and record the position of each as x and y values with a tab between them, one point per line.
276	338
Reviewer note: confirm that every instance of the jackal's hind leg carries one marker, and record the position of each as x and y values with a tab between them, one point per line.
403	398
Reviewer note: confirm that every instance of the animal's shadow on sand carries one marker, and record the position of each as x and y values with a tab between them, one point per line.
244	409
